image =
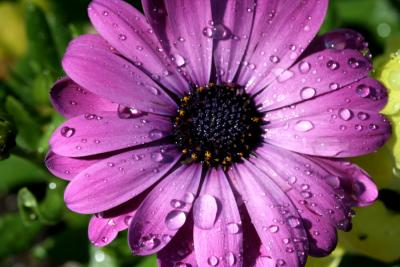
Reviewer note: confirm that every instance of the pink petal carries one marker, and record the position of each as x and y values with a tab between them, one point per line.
67	168
236	18
117	179
315	75
91	134
218	238
92	63
343	123
164	211
273	215
282	30
180	251
126	29
71	100
179	25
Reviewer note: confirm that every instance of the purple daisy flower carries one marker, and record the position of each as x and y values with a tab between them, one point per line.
215	131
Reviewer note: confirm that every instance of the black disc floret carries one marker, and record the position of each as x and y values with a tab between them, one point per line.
217	125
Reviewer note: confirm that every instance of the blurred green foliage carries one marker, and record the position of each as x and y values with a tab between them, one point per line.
35	227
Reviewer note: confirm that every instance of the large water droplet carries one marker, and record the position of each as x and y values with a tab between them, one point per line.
293	221
233	228
230	258
179	60
333	181
213	261
67	131
363	90
175	219
273	228
155	134
188	197
205	211
157	156
285	75
304	67
304	126
307	93
128	113
332	65
217	32
345	114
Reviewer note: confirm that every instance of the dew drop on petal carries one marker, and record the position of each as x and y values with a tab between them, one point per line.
334	86
363	116
345	114
274	59
333	181
177	204
273	228
285	75
179	60
175	219
307	93
157	156
233	228
128	113
155	134
213	261
363	90
122	37
293	221
304	67
205	211
188	198
230	258
332	65
67	131
304	126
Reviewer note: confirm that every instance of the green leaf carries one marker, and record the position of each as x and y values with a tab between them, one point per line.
28	129
52	207
149	261
16	236
41	48
101	258
28	206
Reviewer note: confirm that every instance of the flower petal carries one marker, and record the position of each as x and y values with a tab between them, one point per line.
103	228
315	75
71	100
179	25
273	215
236	19
115	180
92	63
133	38
282	30
307	183
180	251
339	124
161	215
67	168
92	134
354	180
221	242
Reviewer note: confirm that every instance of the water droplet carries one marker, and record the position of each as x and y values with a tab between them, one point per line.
358	127
177	204
233	228
179	60
304	126
332	65
128	220
128	113
175	219
363	116
304	67
354	63
274	59
122	37
293	221
307	93
188	198
273	228
334	86
333	181
230	258
205	211
105	13
67	131
285	75
217	32
373	126
110	164
280	262
157	156
306	194
213	261
155	134
363	90
345	114
181	39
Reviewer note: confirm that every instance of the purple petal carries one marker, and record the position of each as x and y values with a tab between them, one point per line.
126	29
71	100
104	227
343	123
354	180
117	179
236	18
315	75
92	63
218	238
179	25
180	251
273	215
91	134
338	39
67	168
161	215
282	30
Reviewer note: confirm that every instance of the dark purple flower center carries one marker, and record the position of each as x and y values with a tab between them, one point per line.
217	125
